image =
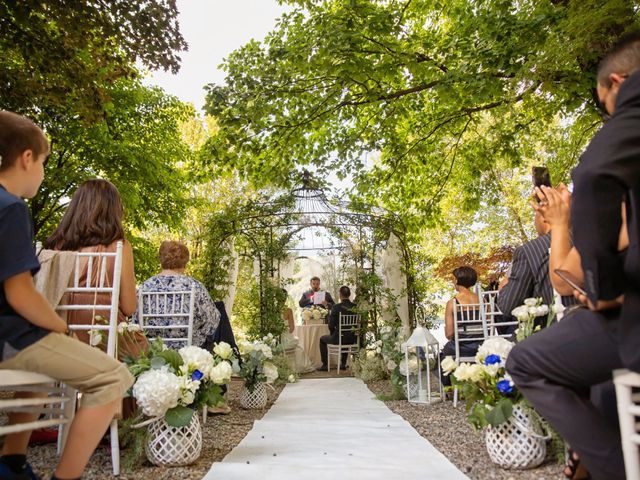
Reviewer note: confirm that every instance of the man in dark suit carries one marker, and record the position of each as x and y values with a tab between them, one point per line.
346	307
555	368
307	297
529	275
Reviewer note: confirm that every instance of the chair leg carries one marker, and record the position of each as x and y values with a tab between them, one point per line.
455	397
204	414
68	411
339	361
115	448
627	431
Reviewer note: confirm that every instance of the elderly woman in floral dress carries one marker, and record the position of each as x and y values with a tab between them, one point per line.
173	260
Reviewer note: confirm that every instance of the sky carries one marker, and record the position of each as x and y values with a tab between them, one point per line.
213	29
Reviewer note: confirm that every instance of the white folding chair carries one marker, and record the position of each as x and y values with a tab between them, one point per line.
489	300
469	326
346	323
155	308
175	308
98	281
628	412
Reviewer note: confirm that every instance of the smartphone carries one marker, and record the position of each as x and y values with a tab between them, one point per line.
540	176
571	280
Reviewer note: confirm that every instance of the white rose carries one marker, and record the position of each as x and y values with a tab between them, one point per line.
475	372
197	358
492	370
270	371
223	350
122	327
531	302
306	314
463	372
95	338
317	315
245	347
221	373
448	365
542	310
521	312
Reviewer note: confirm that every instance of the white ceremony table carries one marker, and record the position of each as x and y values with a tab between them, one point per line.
309	340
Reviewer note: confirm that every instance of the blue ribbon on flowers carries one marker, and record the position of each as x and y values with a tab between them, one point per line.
197	375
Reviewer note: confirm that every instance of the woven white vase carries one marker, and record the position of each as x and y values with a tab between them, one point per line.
514	444
256	399
174	446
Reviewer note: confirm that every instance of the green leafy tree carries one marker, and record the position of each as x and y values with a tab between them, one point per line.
440	90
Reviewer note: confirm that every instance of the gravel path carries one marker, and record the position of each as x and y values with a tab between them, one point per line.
444	426
447	430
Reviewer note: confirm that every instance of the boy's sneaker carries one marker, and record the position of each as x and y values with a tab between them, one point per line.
27	473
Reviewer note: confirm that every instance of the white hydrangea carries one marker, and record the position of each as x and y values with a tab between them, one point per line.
270	371
223	350
448	365
494	346
156	391
197	358
221	373
264	348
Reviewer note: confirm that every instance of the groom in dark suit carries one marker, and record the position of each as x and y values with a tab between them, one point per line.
529	275
346	307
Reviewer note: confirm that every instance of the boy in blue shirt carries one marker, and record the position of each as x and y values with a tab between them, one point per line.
32	336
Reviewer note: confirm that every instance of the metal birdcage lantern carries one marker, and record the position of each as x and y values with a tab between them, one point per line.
421	357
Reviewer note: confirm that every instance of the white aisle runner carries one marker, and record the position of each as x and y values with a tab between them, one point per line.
332	429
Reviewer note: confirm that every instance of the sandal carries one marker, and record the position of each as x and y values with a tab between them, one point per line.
576	470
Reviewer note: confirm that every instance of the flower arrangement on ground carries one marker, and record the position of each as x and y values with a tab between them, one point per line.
172	384
315	312
488	390
256	366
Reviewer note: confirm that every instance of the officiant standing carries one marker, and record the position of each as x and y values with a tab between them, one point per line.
313	296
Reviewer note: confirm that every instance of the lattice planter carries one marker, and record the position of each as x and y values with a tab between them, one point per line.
174	446
514	443
256	399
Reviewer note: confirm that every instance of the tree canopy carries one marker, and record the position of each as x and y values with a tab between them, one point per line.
440	94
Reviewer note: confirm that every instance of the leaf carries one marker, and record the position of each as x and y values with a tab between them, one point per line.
178	416
172	357
500	413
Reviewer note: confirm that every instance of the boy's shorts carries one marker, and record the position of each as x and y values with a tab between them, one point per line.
99	377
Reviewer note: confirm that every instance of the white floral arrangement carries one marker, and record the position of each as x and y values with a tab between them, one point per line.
173	384
529	311
488	389
255	366
315	312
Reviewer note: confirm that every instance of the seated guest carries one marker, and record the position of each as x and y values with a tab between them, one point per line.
307	297
93	223
464	279
173	260
287	313
346	307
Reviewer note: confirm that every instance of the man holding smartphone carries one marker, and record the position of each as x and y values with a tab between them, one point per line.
555	368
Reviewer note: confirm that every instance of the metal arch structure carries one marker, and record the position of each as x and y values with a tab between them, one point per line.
282	222
310	214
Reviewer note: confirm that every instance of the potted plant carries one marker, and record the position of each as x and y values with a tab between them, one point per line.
256	370
170	387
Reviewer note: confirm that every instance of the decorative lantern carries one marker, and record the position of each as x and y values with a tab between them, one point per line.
421	354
